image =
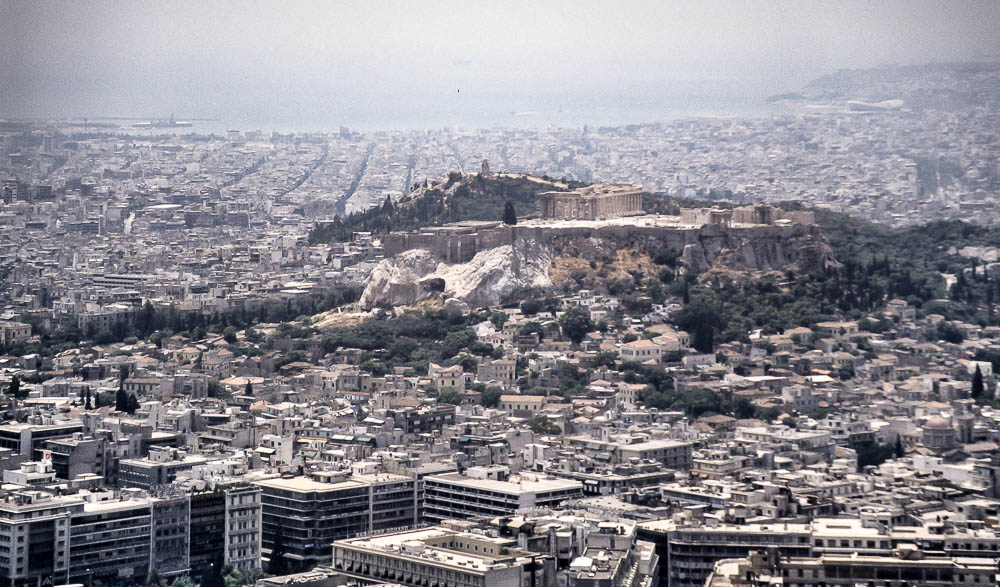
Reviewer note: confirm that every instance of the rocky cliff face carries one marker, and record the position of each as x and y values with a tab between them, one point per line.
411	276
595	255
760	251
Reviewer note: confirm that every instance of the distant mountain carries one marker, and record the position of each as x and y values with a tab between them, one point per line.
946	86
457	198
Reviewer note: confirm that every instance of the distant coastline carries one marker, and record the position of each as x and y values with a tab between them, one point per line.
571	112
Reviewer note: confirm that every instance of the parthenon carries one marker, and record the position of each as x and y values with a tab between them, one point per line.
596	202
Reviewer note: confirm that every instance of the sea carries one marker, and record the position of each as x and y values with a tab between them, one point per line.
470	112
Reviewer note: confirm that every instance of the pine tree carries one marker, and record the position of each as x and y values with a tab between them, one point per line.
215	575
509	215
98	402
977	384
900	452
121	398
277	565
131	404
249	389
14	389
86	402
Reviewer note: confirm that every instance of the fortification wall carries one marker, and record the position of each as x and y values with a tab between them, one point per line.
461	248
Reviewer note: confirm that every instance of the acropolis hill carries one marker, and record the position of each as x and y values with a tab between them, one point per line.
597	211
483	261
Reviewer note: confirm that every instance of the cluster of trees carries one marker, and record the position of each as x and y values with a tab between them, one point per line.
218	575
124	402
489	397
909	262
878	263
155	323
873	454
542	425
417	337
725	310
660	393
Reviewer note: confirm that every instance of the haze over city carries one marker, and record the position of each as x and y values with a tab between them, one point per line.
383	65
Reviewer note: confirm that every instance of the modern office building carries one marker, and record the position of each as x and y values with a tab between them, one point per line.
77	455
307	515
35	538
455	496
160	468
25	439
208	529
243	524
909	567
441	557
689	552
111	541
171	535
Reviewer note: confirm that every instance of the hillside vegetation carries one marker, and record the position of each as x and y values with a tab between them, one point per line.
459	197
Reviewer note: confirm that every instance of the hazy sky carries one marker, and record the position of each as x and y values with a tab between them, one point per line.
273	59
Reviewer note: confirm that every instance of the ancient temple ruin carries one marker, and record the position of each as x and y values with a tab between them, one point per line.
596	202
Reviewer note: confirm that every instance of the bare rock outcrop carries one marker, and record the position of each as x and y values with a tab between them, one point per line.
485	280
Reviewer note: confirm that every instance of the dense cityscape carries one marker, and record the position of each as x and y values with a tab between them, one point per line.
714	351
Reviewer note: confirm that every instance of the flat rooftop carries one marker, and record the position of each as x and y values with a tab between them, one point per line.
516	486
401	544
305	484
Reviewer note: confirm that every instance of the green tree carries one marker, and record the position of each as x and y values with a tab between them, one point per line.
241	578
977	384
86	403
948	332
900	451
229	334
576	323
131	404
490	397
14	389
216	389
534	327
277	564
146	319
450	396
248	390
498	319
743	408
531	307
121	399
542	425
703	318
874	454
215	576
509	215
846	371
153	579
